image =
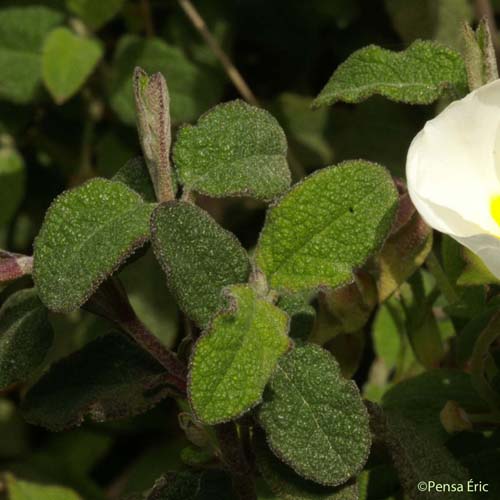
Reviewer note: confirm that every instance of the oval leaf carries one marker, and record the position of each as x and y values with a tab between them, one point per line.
87	233
326	226
314	419
232	362
419	75
199	257
234	150
25	336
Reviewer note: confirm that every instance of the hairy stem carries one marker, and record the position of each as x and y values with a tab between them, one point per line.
484	9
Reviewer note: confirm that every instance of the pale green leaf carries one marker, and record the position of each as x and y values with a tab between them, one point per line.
233	360
234	150
198	256
87	233
95	13
18	489
67	61
12	183
326	226
314	419
419	75
25	336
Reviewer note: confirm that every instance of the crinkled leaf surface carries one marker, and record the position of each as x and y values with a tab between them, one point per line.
95	13
18	489
419	75
314	419
109	378
87	233
234	150
233	361
192	89
12	183
199	257
67	61
25	336
136	176
22	31
287	485
326	226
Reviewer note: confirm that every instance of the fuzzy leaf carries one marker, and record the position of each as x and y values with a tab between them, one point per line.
135	175
18	489
87	233
67	62
109	378
12	183
419	75
326	226
234	150
192	89
198	256
309	413
25	336
233	361
22	31
95	13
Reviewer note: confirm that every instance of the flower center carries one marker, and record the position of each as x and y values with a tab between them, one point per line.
495	208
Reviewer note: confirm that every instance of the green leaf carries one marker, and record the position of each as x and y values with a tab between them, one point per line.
87	233
192	89
95	13
67	61
13	431
419	75
234	150
233	361
135	175
22	31
198	256
475	272
326	226
18	489
12	183
287	485
25	336
301	312
109	378
309	413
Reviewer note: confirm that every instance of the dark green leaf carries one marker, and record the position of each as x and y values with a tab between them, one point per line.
234	150
87	233
199	257
310	413
135	175
95	13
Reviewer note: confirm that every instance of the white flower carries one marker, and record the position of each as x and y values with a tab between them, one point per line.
453	173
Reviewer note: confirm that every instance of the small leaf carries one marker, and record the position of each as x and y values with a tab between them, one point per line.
135	175
233	361
234	150
109	378
327	226
419	75
22	32
309	415
25	336
12	183
18	489
67	62
198	256
95	13
87	233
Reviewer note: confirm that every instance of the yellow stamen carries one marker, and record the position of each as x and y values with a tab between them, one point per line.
495	208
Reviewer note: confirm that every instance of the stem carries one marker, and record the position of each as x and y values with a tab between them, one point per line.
233	456
148	18
447	289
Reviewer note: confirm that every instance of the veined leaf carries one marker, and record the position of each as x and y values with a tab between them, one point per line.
419	75
233	361
326	226
314	419
87	233
234	150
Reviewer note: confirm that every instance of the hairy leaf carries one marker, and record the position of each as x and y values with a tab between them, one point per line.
199	257
233	361
12	183
310	413
95	13
135	175
87	233
18	489
326	226
419	75
109	378
234	150
25	336
67	61
22	31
